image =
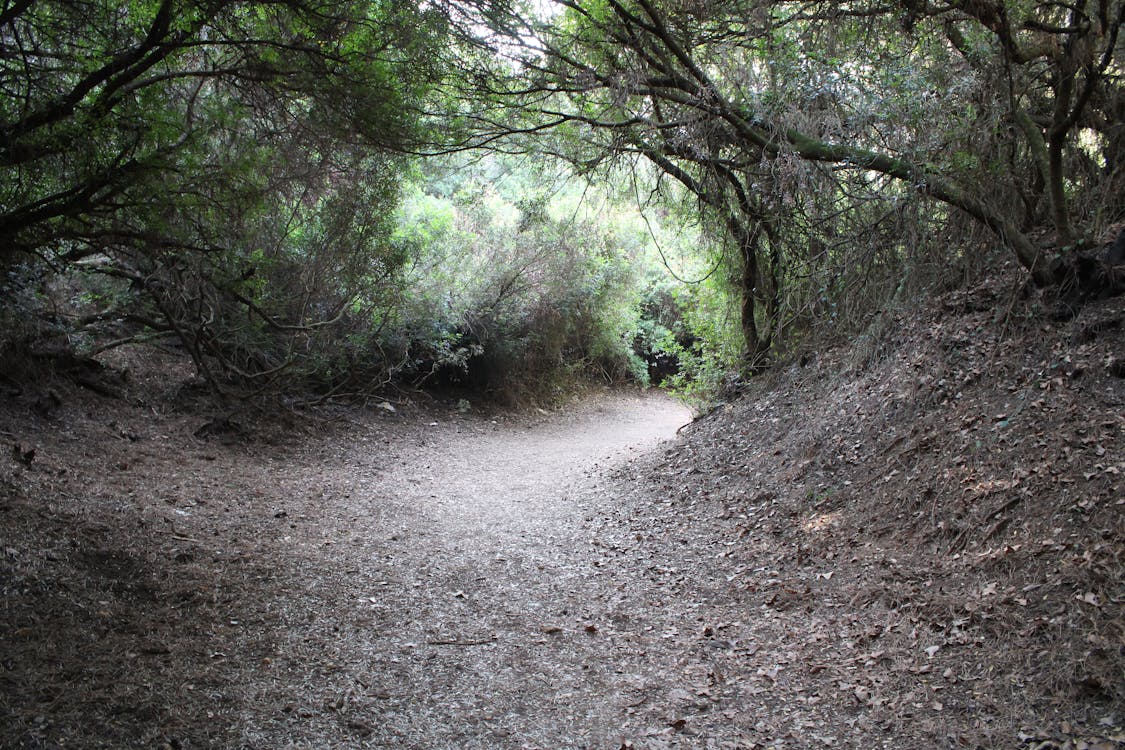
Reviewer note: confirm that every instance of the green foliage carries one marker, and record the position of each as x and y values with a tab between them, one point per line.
233	173
843	150
703	339
233	164
514	288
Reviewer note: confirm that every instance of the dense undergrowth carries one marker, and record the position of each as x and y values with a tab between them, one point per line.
321	200
495	279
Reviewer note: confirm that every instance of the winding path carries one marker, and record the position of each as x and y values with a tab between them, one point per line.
480	610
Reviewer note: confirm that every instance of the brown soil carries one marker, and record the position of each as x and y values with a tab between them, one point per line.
913	543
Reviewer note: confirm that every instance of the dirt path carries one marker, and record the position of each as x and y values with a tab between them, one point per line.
449	582
481	600
391	583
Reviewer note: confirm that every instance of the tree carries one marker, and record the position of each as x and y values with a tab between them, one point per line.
784	115
233	162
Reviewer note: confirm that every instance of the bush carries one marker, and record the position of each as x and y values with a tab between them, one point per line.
511	295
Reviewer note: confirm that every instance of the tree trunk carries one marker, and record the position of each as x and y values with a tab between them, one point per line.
755	346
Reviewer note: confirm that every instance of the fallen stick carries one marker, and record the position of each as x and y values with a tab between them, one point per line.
462	643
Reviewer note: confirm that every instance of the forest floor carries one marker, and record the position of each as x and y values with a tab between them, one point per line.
914	542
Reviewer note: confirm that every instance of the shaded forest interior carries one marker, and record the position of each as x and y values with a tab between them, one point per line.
249	219
331	198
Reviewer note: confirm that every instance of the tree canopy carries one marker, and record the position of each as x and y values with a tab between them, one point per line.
218	156
111	110
229	172
787	118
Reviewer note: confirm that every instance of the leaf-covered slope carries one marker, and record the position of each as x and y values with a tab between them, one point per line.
917	540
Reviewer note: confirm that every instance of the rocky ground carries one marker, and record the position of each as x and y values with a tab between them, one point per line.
913	542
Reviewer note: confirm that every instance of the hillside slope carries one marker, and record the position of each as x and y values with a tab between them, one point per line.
922	536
